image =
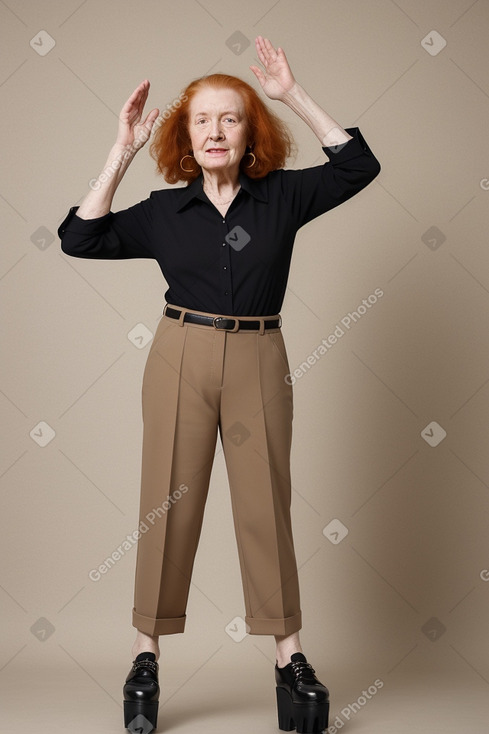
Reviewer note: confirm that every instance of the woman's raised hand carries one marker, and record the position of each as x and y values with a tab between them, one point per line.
131	136
277	79
133	132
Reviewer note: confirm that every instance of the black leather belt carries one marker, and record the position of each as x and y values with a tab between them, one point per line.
222	322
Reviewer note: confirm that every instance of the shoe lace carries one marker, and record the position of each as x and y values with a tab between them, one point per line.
303	671
138	664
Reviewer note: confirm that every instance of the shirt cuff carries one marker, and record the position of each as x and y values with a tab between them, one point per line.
73	223
353	148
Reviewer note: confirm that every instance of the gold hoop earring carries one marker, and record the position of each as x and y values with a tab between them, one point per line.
187	170
254	159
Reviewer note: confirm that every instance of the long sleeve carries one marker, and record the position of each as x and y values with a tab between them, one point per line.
114	236
310	192
236	264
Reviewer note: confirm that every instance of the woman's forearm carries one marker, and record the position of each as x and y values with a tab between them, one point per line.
328	131
102	189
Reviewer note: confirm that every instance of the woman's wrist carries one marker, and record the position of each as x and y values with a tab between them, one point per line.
328	131
118	160
294	94
98	201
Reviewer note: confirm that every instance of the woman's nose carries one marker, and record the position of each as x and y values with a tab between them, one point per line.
215	132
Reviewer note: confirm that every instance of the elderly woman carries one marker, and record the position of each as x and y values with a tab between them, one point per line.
218	360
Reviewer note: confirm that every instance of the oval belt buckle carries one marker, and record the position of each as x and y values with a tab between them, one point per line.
222	319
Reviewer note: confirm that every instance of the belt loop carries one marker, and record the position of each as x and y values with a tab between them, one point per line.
262	327
181	317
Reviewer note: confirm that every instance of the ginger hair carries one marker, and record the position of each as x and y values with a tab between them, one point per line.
272	141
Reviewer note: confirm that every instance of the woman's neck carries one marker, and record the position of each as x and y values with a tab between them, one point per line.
221	185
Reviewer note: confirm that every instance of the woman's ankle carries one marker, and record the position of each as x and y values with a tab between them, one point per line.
145	643
286	646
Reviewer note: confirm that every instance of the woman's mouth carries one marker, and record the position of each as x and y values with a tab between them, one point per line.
217	151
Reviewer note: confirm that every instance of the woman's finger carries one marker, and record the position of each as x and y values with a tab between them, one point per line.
142	99
258	73
134	101
262	51
269	49
133	110
151	118
137	92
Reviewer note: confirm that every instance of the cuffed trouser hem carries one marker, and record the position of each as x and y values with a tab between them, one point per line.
155	627
285	626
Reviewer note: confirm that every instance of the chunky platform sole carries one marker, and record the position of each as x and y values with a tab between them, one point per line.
306	718
140	716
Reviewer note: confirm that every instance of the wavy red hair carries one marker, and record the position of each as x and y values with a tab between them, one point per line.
272	140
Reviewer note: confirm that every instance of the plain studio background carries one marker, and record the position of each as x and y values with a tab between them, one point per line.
402	597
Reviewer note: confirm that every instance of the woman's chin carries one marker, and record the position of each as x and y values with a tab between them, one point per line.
215	165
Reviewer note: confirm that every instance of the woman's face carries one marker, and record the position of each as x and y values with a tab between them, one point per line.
217	129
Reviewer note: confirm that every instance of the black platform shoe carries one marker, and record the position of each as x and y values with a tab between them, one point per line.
302	701
141	694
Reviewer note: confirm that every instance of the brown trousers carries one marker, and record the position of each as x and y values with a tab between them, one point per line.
199	379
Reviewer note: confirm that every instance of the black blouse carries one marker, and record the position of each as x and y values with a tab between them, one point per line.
236	265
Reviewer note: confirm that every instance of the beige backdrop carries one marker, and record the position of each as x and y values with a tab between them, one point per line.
390	468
